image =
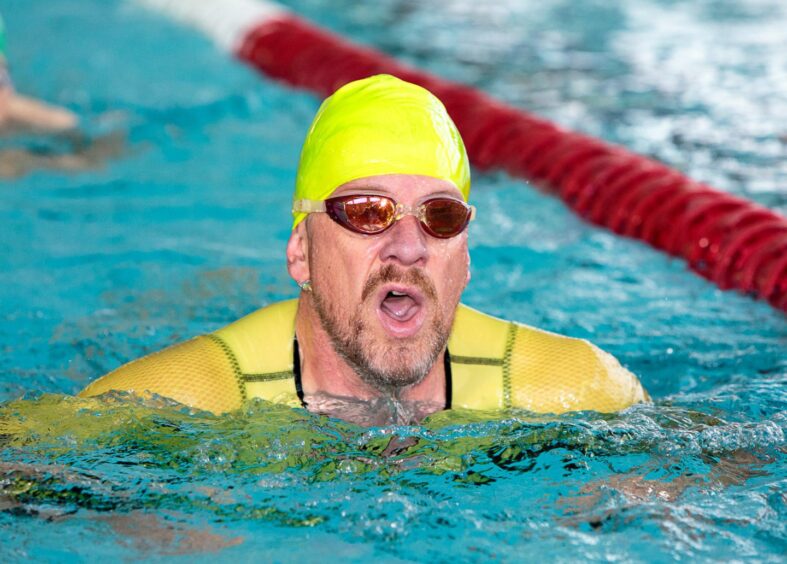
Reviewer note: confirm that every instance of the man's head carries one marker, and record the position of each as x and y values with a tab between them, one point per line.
385	290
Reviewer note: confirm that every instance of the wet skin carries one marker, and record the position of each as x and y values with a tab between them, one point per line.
22	115
390	298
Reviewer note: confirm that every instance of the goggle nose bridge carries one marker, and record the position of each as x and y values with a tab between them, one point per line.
401	210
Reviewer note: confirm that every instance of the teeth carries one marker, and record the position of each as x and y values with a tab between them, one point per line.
397	294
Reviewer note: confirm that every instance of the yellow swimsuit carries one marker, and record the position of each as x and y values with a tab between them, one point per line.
493	364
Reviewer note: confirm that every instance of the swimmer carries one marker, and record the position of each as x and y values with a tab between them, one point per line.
379	249
20	113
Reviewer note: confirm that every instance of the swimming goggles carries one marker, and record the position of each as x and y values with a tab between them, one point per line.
370	214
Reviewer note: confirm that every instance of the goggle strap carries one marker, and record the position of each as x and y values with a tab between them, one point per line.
308	206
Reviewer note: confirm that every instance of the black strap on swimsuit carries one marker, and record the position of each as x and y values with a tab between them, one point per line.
449	392
296	369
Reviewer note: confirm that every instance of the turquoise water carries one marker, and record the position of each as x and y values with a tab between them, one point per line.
185	232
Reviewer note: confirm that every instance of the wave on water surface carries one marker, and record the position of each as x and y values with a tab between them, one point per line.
652	466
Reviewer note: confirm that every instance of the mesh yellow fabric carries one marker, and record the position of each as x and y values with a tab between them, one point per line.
281	391
549	373
199	373
477	346
497	364
494	364
262	343
263	340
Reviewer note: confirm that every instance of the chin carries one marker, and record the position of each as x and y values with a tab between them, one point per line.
386	356
394	362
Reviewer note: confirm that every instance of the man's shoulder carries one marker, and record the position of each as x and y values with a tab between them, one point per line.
267	323
197	373
477	333
469	322
249	357
540	370
261	343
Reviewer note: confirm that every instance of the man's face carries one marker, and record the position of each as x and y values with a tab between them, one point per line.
387	301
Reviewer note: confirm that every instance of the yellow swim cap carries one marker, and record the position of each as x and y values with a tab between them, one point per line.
379	125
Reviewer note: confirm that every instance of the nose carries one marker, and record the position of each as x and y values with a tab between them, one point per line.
405	243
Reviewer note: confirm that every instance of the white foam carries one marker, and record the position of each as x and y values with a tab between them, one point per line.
226	22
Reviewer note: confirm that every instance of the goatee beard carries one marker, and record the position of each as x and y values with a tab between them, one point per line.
386	367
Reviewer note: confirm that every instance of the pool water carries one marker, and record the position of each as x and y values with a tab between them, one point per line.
185	232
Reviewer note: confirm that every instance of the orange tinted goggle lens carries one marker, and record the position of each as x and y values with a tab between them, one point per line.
444	217
441	217
362	214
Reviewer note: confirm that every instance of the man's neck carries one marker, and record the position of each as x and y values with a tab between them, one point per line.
325	373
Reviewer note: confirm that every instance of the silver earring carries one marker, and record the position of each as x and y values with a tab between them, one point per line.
306	285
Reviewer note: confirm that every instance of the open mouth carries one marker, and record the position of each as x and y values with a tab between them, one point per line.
401	310
399	305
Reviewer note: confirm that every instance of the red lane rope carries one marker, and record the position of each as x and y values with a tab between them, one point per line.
729	240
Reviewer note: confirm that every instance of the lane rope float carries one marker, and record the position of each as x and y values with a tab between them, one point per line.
727	239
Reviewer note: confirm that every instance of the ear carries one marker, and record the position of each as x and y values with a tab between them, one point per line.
298	254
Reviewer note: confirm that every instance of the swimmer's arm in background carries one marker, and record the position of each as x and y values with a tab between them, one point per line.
86	154
196	373
22	112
